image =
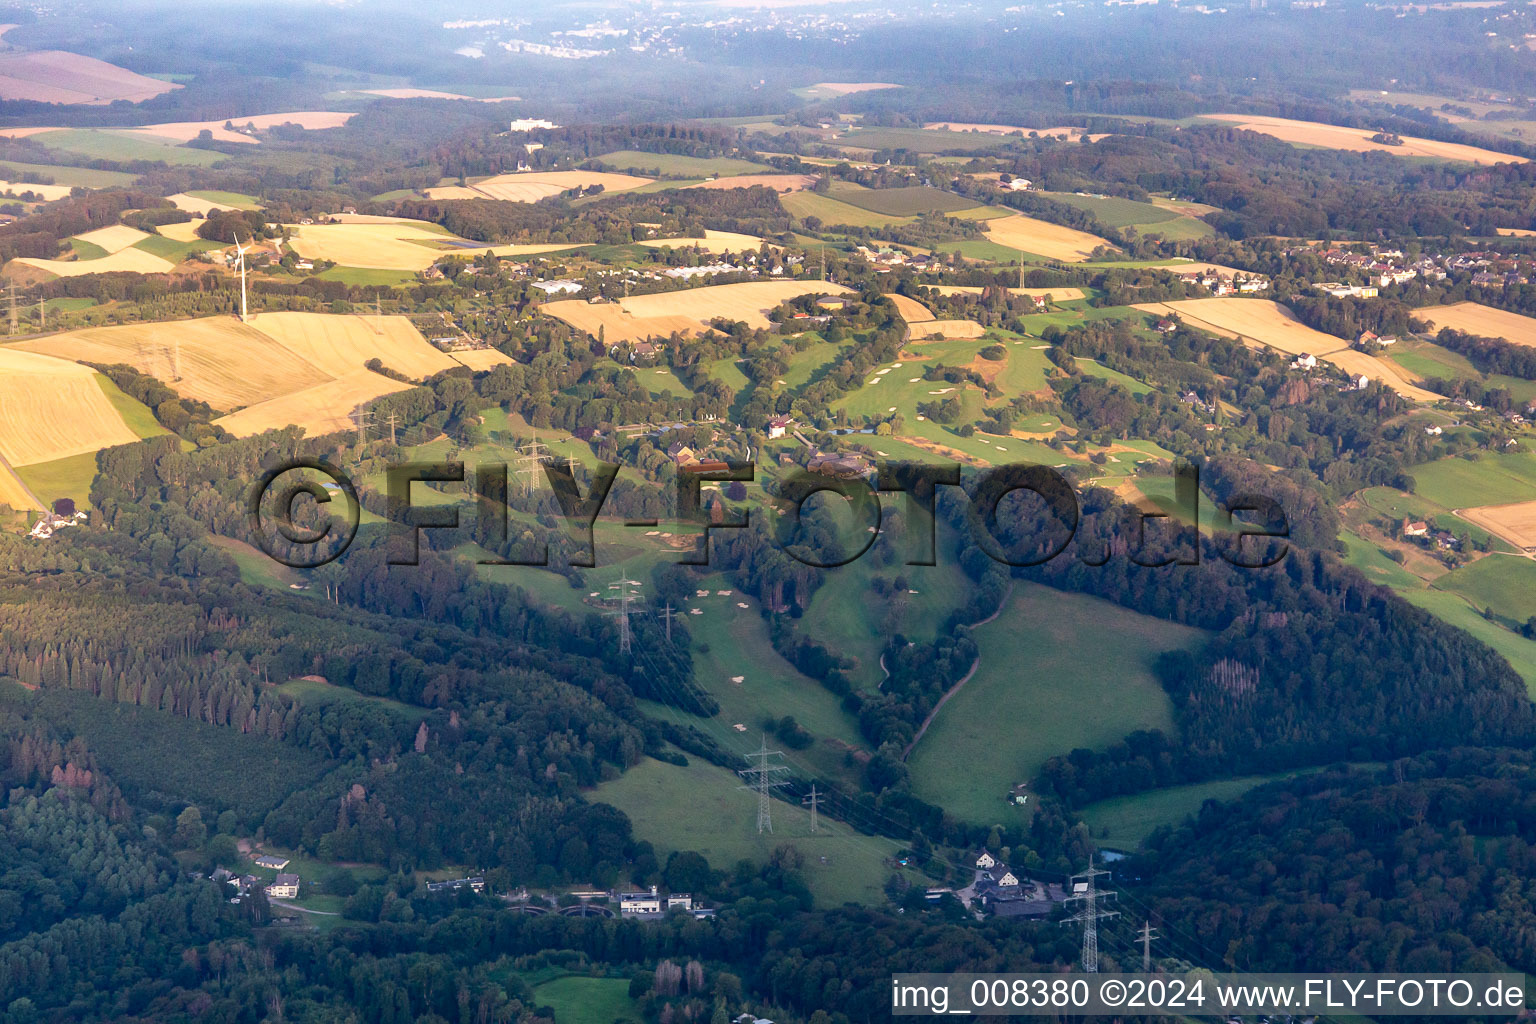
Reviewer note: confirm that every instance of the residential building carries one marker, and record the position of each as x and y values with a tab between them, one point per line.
779	426
269	861
285	888
636	903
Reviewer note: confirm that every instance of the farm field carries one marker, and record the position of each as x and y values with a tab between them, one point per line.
114	238
1515	523
1484	321
1505	584
118	144
185	232
1148	218
713	242
63	478
780	183
917	140
946	329
1002	129
58	76
904	202
47	193
186	131
531	186
1089	683
1458	483
394	244
1269	323
836	212
1125	822
478	359
321	409
1053	241
85	177
830	90
433	94
910	309
678	166
701	807
137	261
339	343
1358	140
51	409
687	311
1054	294
14	492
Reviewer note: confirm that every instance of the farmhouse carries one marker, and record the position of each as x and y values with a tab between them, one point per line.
285	888
985	860
1415	528
274	863
52	522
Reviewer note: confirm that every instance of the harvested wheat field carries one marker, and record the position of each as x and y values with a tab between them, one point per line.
322	409
192	204
186	231
1483	321
683	312
481	358
1517	232
52	409
217	360
712	242
909	309
947	330
338	344
58	76
48	193
1054	294
778	182
1002	129
531	186
1515	523
1358	140
393	244
115	238
1053	241
15	493
1269	323
186	131
134	260
848	88
433	94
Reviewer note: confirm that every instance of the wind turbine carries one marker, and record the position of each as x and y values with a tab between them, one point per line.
240	251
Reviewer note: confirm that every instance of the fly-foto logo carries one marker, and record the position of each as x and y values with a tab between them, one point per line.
1044	531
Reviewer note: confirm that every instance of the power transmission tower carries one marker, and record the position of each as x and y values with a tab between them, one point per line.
823	251
13	307
813	799
626	596
762	777
1092	913
364	420
1148	933
535	452
666	613
1021	271
392	420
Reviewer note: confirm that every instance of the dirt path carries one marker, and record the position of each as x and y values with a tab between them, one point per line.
1007	596
303	910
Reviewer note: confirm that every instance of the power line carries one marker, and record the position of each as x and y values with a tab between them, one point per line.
812	799
763	777
1148	933
626	596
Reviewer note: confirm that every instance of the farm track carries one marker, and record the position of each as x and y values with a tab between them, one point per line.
1007	596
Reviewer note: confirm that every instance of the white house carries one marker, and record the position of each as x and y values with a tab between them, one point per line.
1008	878
285	888
631	903
525	124
1434	430
779	426
986	860
558	287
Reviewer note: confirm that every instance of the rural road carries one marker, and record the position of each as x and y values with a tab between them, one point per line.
963	680
303	910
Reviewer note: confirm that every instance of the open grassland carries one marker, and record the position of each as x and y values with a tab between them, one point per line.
1002	129
120	145
340	344
1458	483
833	212
314	691
1148	218
62	478
687	311
387	244
1358	140
1125	822
1269	323
1053	241
532	186
713	242
321	409
916	140
904	202
175	251
677	166
1057	671
1502	584
1484	321
217	360
1516	523
52	408
581	1000
85	177
133	260
58	76
434	94
702	807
